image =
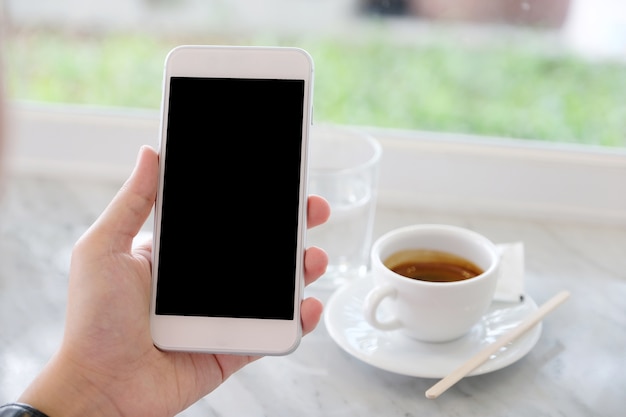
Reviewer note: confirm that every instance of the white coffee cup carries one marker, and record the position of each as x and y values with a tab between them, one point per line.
425	310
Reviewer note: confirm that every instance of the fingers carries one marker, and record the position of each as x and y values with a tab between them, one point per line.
315	259
131	206
142	245
310	312
318	211
315	262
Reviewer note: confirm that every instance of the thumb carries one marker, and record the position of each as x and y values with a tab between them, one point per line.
127	212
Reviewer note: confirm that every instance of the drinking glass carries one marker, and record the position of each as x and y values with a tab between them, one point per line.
343	168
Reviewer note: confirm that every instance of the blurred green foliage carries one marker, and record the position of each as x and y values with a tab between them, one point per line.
495	89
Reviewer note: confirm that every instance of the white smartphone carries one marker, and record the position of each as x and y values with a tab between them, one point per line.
230	214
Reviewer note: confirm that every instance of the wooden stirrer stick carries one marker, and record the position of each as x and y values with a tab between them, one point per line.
482	356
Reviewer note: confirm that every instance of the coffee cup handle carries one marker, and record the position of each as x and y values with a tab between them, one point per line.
372	303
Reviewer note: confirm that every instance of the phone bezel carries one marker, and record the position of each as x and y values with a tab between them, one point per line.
226	334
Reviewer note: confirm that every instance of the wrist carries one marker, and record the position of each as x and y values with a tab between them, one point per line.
60	390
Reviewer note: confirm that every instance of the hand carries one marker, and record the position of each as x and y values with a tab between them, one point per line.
107	363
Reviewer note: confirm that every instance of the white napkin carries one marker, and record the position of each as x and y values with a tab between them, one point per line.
510	287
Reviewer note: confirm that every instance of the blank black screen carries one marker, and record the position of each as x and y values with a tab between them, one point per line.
230	198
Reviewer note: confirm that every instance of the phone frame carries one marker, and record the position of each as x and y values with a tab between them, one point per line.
249	336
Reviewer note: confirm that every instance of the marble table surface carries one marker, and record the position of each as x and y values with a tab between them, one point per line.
575	369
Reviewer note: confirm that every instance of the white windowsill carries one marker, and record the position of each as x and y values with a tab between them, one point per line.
419	169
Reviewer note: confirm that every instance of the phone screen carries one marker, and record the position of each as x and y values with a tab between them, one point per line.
231	196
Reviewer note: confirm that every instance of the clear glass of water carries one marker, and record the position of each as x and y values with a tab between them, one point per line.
343	168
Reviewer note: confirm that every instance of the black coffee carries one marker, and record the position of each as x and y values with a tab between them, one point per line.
431	265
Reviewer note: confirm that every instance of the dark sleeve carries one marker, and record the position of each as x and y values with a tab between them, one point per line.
19	410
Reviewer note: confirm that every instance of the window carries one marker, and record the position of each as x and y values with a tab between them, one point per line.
548	70
499	106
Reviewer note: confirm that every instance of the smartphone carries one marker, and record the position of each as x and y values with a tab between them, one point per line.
230	213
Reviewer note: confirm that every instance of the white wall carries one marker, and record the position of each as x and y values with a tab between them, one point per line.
597	28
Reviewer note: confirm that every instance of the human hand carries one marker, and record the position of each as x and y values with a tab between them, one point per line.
107	363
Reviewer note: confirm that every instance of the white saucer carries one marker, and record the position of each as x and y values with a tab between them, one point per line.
395	352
